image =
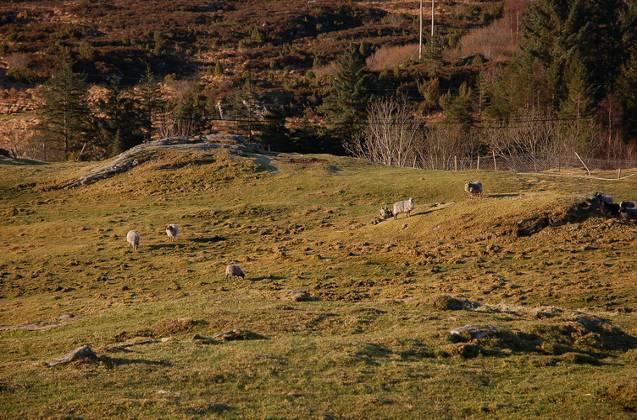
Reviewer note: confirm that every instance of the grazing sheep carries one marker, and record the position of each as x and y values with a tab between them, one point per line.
385	213
601	198
234	270
628	213
403	207
473	188
132	237
609	209
605	205
626	205
172	231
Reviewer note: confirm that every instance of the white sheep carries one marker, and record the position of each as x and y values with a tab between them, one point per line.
234	270
132	237
403	207
473	187
172	231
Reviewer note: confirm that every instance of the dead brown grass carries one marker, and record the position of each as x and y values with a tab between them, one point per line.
391	56
497	41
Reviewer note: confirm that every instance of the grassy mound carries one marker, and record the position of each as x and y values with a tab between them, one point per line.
375	333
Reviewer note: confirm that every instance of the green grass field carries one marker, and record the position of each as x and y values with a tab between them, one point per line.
376	344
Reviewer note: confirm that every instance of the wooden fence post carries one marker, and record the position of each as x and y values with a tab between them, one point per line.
495	162
585	167
478	165
455	163
619	173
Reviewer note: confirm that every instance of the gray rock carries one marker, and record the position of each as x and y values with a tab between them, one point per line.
472	332
301	296
236	334
84	353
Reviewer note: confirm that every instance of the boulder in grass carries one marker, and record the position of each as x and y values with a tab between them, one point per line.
236	334
472	332
84	353
301	296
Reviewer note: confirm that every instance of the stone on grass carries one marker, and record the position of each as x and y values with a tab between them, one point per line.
450	303
301	296
472	332
84	353
237	334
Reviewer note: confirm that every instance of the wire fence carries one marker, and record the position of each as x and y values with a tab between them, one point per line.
527	163
39	150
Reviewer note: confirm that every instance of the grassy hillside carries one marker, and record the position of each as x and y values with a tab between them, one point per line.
375	344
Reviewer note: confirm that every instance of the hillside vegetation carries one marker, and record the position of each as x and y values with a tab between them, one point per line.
371	338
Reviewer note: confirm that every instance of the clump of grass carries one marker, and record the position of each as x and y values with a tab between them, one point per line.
464	350
579	358
448	303
624	392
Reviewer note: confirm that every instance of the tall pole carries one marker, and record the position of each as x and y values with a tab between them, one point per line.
420	44
433	3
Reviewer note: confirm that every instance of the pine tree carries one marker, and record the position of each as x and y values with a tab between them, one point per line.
457	108
345	106
578	102
65	116
627	88
117	145
149	101
119	122
556	31
273	132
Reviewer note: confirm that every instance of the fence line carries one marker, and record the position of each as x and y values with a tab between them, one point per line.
525	163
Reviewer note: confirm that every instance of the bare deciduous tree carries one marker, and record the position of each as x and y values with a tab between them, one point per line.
541	137
391	135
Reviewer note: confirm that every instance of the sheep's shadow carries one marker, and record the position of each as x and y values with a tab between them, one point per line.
502	195
19	161
264	164
371	352
332	169
119	361
208	239
270	277
154	247
426	211
209	409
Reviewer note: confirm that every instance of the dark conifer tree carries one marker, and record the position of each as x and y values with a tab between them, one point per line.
149	101
65	117
345	106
